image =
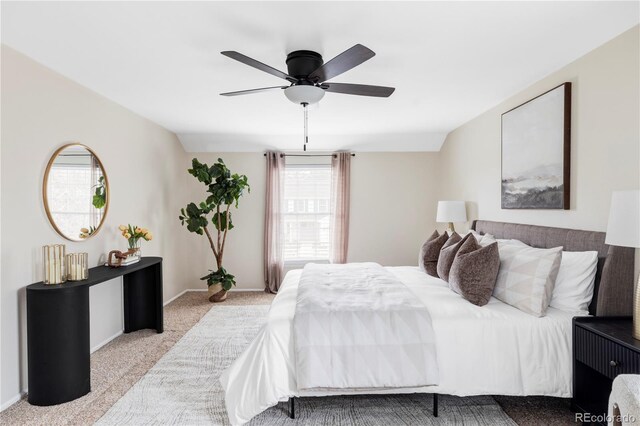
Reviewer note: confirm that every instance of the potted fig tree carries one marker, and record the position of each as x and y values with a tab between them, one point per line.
224	190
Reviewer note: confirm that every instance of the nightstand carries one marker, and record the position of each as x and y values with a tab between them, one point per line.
603	347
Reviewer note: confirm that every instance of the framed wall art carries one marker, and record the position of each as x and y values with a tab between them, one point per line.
536	152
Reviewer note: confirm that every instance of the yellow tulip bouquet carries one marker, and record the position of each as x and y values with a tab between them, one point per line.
134	234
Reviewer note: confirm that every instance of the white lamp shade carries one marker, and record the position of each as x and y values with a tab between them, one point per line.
304	94
451	211
624	219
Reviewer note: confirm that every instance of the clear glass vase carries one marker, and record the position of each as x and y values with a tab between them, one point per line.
135	245
53	257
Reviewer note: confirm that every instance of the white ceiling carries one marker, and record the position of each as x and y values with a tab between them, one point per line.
449	62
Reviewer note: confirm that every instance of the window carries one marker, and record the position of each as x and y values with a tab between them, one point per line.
307	215
71	184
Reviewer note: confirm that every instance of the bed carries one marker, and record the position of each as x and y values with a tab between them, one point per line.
491	350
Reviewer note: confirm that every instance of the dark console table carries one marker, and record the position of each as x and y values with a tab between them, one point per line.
58	327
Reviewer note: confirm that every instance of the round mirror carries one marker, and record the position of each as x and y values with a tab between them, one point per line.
76	192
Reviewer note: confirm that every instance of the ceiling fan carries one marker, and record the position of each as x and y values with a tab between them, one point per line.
308	75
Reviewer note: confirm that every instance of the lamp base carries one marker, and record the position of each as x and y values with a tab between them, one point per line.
636	311
451	228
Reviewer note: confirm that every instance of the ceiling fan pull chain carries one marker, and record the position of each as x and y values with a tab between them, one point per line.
306	125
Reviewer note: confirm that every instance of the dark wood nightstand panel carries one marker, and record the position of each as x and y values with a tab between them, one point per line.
604	355
603	348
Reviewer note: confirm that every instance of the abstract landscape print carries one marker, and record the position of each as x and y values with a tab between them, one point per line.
536	152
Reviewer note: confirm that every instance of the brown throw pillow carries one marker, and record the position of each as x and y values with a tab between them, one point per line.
474	271
448	253
430	251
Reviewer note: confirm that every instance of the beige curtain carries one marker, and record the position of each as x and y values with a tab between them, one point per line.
340	188
273	235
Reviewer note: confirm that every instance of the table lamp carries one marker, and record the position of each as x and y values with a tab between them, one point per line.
623	230
450	212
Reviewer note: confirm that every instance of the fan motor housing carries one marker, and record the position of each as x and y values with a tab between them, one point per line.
301	63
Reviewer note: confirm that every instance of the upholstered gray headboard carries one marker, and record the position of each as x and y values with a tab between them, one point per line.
613	293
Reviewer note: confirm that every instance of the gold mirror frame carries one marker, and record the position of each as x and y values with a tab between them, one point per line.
46	182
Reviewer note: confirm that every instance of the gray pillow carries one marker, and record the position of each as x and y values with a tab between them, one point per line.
448	253
430	251
474	271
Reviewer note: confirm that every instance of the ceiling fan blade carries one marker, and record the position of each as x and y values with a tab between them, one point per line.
358	89
348	59
257	64
250	91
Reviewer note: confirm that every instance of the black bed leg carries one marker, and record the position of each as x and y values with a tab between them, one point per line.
435	405
292	407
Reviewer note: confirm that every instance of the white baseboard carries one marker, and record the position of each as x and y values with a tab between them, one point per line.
175	297
12	401
232	289
204	289
104	342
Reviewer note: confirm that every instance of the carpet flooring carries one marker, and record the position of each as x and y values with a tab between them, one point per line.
116	367
184	388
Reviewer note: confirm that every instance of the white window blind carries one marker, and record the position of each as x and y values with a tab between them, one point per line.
70	192
307	213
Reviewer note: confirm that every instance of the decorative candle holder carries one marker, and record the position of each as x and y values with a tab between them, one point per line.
54	264
77	266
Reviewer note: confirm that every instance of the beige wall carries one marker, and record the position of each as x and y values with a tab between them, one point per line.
393	199
392	211
605	153
145	163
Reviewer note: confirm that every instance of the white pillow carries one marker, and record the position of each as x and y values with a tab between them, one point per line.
511	241
573	290
527	276
482	239
576	278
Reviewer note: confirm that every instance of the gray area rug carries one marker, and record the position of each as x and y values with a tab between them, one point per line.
183	388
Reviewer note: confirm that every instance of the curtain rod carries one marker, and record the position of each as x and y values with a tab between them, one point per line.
308	155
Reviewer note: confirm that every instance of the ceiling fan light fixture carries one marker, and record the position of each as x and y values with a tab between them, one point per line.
304	94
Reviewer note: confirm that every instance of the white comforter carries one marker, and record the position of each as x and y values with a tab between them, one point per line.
491	350
357	326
